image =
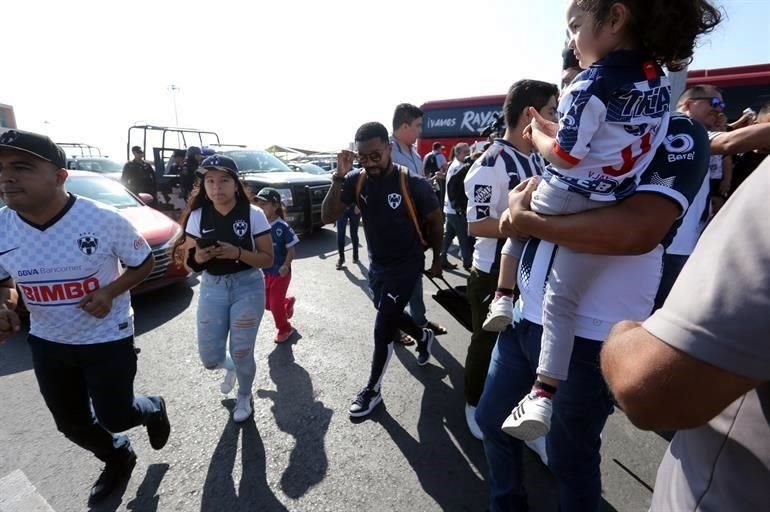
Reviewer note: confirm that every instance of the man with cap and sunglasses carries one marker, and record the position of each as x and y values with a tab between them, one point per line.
64	253
138	174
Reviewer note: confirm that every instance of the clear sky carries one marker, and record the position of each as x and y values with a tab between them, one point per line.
293	72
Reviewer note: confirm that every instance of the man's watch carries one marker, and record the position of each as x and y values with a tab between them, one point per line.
336	178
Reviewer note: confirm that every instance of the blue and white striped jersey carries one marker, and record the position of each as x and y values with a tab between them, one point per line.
612	119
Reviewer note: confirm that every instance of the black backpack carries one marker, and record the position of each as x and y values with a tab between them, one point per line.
455	189
431	165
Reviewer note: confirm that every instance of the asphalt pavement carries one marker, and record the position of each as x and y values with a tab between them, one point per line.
301	451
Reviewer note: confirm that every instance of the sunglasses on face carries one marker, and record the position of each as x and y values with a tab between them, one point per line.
374	157
716	103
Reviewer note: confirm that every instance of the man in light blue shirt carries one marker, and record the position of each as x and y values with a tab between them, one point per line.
407	126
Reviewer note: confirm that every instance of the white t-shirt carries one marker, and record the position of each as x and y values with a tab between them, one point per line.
56	265
625	288
487	184
456	164
715	167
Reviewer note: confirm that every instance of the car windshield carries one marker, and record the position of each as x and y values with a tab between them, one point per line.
101	189
259	161
101	165
313	169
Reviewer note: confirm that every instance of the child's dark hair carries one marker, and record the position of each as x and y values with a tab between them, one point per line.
666	29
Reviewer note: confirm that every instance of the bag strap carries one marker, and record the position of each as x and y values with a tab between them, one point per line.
404	172
359	186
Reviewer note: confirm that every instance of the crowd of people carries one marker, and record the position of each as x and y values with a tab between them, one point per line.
575	224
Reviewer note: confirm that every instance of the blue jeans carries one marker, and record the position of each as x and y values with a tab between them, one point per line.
342	223
457	226
231	305
580	410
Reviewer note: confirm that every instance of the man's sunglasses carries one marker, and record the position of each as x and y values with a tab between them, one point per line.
716	103
374	157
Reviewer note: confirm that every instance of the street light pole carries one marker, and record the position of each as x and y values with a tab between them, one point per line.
174	89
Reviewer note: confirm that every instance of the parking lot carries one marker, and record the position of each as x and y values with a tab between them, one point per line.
301	452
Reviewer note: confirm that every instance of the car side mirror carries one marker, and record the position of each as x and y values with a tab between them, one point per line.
146	198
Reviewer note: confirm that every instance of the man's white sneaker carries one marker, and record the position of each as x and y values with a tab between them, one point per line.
530	419
500	314
470	419
229	382
243	409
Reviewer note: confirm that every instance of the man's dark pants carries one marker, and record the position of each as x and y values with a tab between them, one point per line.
391	290
73	378
580	410
480	292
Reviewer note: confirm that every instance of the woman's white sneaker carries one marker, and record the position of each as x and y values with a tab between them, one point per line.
243	409
530	419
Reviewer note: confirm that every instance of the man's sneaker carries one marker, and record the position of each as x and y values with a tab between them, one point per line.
446	265
355	258
290	307
158	426
243	409
228	383
425	347
115	473
530	419
500	314
473	426
340	264
365	402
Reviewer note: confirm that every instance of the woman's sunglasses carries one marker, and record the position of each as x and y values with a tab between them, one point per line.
716	103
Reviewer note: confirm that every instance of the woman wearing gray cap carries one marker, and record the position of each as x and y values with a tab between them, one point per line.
229	240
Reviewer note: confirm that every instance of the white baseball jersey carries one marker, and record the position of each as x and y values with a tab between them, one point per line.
56	265
612	119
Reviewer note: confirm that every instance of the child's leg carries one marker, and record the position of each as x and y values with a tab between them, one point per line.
570	275
277	293
501	309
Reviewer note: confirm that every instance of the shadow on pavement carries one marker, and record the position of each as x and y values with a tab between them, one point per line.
147	499
154	309
298	414
363	282
446	459
321	244
252	492
15	356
